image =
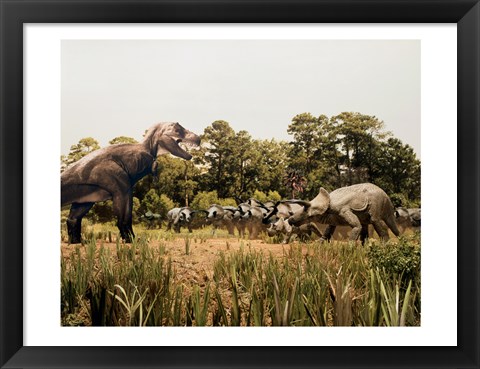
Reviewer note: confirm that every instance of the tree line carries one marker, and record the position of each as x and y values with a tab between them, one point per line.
329	152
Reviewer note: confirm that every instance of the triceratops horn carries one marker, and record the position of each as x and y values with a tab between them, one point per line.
305	204
200	211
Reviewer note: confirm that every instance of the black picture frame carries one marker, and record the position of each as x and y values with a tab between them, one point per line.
16	13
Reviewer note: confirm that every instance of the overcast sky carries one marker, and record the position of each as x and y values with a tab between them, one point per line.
120	88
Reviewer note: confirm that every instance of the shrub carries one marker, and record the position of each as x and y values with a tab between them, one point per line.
227	202
135	210
204	199
401	200
274	196
402	259
165	204
155	203
260	196
101	212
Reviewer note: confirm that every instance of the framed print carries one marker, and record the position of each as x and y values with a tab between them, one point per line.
334	96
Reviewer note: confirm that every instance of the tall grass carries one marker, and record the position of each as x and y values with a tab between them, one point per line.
332	284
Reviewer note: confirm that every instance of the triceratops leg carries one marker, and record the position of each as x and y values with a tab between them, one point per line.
312	227
353	222
286	237
74	221
230	228
328	232
381	229
392	224
364	233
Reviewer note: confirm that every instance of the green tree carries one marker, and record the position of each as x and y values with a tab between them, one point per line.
399	170
269	165
273	196
121	140
204	199
356	137
187	184
242	163
216	158
156	203
171	180
311	155
84	147
307	141
235	165
227	202
136	210
264	197
165	204
260	196
102	212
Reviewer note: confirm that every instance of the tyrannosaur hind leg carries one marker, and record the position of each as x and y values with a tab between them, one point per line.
122	208
74	221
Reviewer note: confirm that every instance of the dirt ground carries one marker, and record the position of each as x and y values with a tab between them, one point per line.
197	266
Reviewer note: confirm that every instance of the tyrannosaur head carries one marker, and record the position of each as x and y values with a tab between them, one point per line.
164	138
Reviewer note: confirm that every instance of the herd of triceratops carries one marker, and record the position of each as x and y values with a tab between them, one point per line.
111	173
350	212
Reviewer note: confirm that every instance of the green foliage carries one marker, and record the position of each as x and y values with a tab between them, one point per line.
402	259
204	199
310	147
328	152
218	156
356	137
264	197
274	196
236	164
165	204
101	212
399	200
83	147
398	170
156	204
268	166
122	140
260	196
351	148
176	178
227	202
136	210
335	284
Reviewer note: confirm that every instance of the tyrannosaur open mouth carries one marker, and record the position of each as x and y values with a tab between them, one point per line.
184	144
